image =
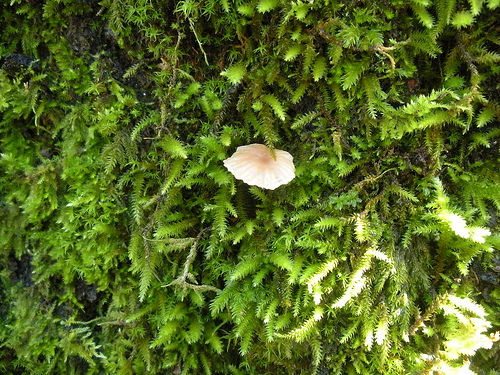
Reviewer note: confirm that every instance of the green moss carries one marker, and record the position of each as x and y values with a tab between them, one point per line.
128	248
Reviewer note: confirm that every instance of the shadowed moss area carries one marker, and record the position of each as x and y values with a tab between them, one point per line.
126	246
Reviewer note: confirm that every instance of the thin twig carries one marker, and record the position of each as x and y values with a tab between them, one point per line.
382	50
191	23
186	275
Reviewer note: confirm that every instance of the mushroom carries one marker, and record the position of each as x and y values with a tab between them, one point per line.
256	165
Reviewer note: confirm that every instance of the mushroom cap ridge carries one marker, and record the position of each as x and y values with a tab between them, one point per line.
255	165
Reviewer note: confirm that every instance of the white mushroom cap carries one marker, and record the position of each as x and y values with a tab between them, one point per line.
255	165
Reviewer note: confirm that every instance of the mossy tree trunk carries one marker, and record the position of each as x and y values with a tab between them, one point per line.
128	248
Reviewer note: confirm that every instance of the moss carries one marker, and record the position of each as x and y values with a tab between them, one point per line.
128	248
